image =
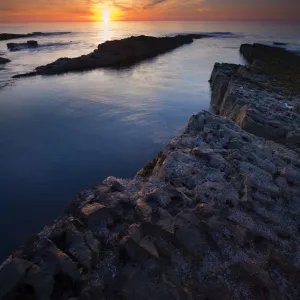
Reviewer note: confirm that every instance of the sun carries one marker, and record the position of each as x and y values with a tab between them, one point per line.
106	16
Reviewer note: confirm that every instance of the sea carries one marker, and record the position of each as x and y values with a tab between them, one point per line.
63	134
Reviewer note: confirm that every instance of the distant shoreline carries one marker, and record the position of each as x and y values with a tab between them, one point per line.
11	36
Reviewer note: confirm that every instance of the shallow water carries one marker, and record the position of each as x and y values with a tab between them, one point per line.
62	134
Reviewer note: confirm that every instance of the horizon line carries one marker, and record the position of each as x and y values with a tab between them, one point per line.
152	20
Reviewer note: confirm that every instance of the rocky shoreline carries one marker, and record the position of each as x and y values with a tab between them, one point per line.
263	98
215	216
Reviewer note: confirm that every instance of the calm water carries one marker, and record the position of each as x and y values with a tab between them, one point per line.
62	134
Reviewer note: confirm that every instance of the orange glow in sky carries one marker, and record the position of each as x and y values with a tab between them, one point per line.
116	10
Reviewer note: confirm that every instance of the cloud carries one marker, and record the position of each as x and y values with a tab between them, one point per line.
154	3
151	9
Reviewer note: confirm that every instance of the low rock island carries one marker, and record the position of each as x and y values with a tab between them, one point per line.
215	216
116	54
21	46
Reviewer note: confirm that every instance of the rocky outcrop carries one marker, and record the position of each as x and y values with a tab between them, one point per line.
11	36
4	60
216	217
117	53
21	46
263	97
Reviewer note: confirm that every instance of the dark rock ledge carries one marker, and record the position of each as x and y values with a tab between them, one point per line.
116	53
214	216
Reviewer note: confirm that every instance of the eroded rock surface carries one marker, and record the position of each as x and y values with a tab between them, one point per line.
117	53
216	216
264	97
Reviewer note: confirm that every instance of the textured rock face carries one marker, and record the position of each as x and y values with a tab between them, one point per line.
262	98
117	53
217	217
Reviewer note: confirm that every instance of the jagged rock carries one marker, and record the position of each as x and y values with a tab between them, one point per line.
95	214
149	246
94	245
78	247
117	53
56	262
41	282
12	273
136	232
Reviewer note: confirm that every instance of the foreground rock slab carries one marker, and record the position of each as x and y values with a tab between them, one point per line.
214	216
263	97
116	53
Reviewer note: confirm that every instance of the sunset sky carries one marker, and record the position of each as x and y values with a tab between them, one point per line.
96	10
